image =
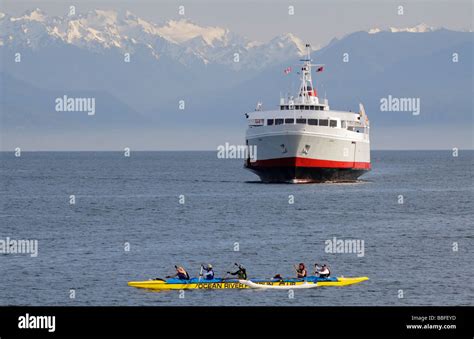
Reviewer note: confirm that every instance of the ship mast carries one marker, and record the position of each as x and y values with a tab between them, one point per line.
307	92
306	76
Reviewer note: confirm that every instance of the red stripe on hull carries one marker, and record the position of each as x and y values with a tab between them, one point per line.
305	162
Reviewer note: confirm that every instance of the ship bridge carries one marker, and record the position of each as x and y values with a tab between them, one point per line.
306	108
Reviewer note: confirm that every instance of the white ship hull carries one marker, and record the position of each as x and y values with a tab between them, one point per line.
297	155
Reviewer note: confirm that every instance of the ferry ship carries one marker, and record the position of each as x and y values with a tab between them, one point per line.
305	141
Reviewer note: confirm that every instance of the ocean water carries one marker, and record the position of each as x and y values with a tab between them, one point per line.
421	249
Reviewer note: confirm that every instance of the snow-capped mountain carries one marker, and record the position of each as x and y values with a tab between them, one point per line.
180	31
181	60
179	39
421	28
182	40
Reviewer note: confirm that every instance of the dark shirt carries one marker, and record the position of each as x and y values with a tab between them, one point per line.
301	273
241	274
182	276
209	275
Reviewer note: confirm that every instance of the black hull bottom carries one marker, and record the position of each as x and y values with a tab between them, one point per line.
306	174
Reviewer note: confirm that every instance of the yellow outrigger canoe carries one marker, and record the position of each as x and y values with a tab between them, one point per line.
200	284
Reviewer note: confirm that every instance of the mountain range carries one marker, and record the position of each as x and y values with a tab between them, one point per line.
139	71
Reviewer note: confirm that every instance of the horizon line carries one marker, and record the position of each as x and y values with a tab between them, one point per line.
214	150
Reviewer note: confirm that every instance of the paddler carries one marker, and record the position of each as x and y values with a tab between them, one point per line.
241	273
322	272
209	272
180	274
301	271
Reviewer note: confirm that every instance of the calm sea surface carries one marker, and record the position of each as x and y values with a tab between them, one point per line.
119	200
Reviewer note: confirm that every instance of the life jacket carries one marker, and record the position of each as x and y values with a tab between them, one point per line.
209	275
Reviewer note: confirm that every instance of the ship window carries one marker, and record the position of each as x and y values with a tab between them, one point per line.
323	122
306	108
343	123
269	122
301	121
278	121
333	123
289	121
313	122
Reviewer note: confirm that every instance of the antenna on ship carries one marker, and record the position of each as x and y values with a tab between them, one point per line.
307	91
308	50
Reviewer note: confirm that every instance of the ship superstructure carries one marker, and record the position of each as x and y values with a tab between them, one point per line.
305	141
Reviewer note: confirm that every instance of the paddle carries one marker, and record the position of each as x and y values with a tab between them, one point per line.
200	274
296	269
166	277
169	276
227	272
316	273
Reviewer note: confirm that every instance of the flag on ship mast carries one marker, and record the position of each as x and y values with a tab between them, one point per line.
287	70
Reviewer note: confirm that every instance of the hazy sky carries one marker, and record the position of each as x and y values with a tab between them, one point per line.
263	20
334	18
